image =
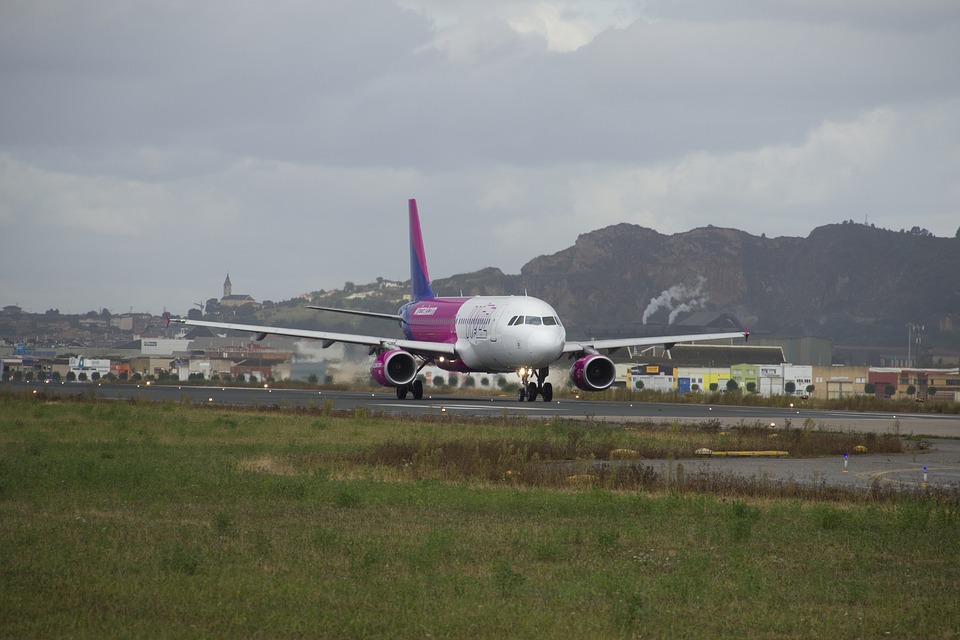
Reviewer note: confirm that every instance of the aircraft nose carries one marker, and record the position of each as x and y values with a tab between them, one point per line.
546	344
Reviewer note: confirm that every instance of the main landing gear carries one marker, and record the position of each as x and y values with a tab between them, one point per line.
529	390
415	387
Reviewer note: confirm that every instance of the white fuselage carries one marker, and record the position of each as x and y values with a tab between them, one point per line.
500	333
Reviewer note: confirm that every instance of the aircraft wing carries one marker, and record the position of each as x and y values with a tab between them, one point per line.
418	347
596	346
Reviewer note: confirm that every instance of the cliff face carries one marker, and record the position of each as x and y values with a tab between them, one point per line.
852	283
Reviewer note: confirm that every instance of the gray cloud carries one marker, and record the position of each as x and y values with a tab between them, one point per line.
167	143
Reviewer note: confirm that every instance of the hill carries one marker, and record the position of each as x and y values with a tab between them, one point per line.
852	283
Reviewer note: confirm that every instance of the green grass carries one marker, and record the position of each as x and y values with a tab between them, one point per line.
142	520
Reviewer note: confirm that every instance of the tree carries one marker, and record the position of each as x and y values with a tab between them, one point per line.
888	390
870	388
810	388
82	377
212	307
790	386
751	387
714	386
931	391
732	385
911	389
195	314
71	376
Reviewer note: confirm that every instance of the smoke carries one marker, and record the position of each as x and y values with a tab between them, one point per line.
677	299
343	362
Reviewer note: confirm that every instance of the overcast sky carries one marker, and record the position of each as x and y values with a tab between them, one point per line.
148	148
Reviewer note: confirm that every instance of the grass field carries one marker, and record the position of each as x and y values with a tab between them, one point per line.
163	520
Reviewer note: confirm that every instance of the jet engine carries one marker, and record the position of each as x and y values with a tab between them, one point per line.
394	368
593	372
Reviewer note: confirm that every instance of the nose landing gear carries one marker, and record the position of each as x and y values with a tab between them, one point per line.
529	390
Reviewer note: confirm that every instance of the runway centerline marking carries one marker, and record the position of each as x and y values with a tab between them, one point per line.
468	407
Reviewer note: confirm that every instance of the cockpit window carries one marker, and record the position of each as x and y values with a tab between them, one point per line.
549	321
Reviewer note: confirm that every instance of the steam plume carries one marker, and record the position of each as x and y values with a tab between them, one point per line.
677	299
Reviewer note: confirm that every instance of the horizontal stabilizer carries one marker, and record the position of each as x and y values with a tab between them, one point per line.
358	312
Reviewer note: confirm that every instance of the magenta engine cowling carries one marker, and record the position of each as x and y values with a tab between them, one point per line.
593	372
394	368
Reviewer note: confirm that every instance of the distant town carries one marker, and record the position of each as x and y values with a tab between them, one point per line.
101	346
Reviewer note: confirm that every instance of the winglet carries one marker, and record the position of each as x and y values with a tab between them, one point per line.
746	334
419	278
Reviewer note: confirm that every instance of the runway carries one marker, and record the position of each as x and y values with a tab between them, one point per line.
941	433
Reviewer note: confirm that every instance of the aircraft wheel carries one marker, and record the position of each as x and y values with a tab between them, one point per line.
531	392
547	392
402	392
417	389
522	395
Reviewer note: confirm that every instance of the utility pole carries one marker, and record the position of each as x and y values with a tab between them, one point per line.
913	354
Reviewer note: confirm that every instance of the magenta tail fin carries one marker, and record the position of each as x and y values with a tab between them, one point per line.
419	278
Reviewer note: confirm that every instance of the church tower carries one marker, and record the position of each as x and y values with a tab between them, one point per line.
227	287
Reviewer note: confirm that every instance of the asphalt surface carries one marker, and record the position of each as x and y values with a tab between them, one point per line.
941	433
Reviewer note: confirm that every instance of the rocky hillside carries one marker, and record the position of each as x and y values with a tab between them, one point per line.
852	283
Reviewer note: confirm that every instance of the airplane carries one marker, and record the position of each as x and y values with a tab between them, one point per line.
476	334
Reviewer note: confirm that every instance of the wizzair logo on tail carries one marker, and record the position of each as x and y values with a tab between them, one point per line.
424	311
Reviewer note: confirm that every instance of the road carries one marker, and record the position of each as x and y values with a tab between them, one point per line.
942	433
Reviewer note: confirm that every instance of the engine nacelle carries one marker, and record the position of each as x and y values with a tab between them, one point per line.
394	368
593	372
